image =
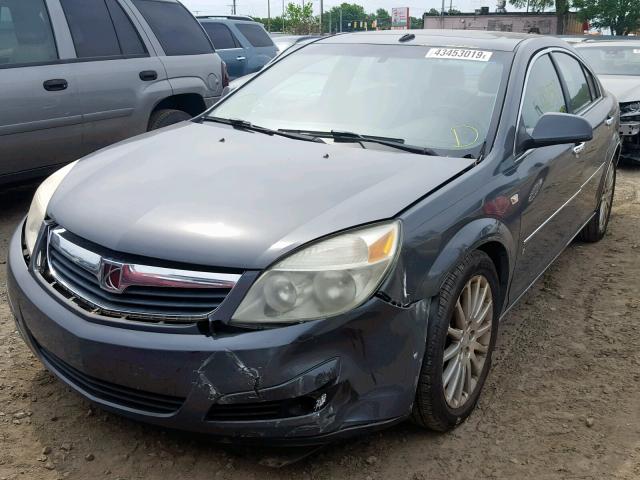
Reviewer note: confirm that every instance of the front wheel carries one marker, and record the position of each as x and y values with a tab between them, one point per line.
597	226
460	340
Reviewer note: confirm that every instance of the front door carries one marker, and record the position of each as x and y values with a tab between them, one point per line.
550	179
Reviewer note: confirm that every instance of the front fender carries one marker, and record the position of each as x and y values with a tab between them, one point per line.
422	269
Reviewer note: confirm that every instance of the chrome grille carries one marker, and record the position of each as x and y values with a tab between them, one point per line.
105	283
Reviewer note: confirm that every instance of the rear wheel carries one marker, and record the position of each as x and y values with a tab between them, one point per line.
460	340
597	226
166	117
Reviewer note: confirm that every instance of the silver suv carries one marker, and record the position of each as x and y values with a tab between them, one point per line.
78	75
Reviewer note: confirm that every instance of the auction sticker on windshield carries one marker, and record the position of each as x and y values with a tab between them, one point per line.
459	54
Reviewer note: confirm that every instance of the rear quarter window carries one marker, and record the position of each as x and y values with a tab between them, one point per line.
177	30
256	34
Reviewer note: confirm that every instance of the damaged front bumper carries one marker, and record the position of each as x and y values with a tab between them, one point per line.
299	384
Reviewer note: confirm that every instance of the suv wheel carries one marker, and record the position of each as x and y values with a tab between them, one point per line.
460	339
166	117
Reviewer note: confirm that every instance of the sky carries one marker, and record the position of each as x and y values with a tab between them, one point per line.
258	8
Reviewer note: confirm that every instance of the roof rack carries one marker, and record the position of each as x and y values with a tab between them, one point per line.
228	17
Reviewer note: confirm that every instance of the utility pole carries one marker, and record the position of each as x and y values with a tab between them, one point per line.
341	19
321	12
268	15
282	16
330	23
442	15
233	8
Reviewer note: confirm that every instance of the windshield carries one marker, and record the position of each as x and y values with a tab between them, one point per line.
609	60
402	92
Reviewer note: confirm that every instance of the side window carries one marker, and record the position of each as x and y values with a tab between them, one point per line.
177	30
593	85
543	94
130	42
256	34
220	35
91	28
26	35
577	86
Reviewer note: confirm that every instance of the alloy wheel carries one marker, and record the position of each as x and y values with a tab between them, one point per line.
468	339
606	199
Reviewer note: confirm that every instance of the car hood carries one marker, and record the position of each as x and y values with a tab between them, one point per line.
625	88
210	195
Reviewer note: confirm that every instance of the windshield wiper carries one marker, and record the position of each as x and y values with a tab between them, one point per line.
340	136
244	125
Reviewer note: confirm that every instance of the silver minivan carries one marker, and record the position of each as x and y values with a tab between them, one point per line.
78	75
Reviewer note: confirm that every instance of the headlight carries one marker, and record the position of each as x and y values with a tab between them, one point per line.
327	278
39	204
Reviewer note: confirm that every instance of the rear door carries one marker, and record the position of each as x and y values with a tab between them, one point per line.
40	121
261	47
189	58
228	47
118	80
584	99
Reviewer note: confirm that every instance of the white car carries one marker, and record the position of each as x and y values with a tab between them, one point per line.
617	64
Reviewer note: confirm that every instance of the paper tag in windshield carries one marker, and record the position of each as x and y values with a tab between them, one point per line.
459	54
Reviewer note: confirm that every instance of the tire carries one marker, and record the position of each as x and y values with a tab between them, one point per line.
431	408
596	229
166	117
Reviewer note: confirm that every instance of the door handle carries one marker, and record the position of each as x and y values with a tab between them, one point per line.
609	121
148	75
240	59
579	148
55	85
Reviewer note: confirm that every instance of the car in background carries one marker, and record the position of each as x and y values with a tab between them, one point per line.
284	42
238	82
243	44
78	75
617	64
329	249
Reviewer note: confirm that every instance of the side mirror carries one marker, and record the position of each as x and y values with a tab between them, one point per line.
226	91
557	129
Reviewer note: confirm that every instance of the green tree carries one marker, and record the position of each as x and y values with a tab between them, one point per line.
417	22
621	16
351	12
300	19
562	9
383	18
275	24
433	12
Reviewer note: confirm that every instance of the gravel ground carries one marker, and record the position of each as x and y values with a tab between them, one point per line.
562	401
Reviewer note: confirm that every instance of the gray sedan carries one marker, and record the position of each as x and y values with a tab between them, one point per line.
329	249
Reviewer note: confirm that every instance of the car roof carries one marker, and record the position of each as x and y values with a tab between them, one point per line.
505	41
226	18
609	43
